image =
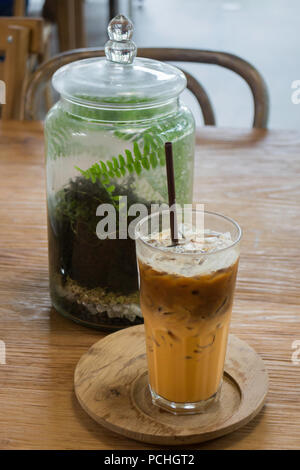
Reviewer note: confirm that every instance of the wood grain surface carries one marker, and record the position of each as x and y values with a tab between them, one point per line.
252	175
111	384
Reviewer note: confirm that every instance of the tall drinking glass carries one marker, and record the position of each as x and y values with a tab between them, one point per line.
186	296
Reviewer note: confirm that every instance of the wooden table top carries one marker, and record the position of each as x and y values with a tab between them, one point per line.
253	176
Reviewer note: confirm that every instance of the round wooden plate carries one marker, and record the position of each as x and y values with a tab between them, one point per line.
111	386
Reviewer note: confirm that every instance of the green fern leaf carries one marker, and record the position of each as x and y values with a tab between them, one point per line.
145	163
137	167
130	168
111	188
115	163
122	161
103	167
110	166
129	157
146	145
136	151
153	160
80	171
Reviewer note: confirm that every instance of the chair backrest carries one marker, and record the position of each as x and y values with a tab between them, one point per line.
19	37
35	26
229	61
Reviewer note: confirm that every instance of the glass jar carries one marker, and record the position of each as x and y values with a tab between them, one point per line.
105	145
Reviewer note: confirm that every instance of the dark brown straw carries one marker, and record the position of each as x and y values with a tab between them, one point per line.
171	191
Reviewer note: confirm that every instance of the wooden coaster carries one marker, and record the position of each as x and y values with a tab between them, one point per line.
112	387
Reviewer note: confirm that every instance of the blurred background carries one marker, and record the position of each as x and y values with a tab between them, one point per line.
264	32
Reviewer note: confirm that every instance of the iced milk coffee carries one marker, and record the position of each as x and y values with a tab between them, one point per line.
186	296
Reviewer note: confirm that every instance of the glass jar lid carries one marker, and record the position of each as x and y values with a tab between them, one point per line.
120	79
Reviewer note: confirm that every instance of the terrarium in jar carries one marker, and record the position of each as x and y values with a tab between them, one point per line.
105	147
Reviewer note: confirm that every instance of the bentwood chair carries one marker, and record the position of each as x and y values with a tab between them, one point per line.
232	62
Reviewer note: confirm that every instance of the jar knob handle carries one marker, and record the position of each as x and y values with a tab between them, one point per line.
120	48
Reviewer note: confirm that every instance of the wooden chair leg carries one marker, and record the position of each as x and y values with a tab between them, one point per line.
43	58
65	17
15	75
19	7
80	33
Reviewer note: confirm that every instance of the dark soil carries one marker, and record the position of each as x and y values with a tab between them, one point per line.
76	251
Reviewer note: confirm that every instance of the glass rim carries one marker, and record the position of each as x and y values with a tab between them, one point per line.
225	217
